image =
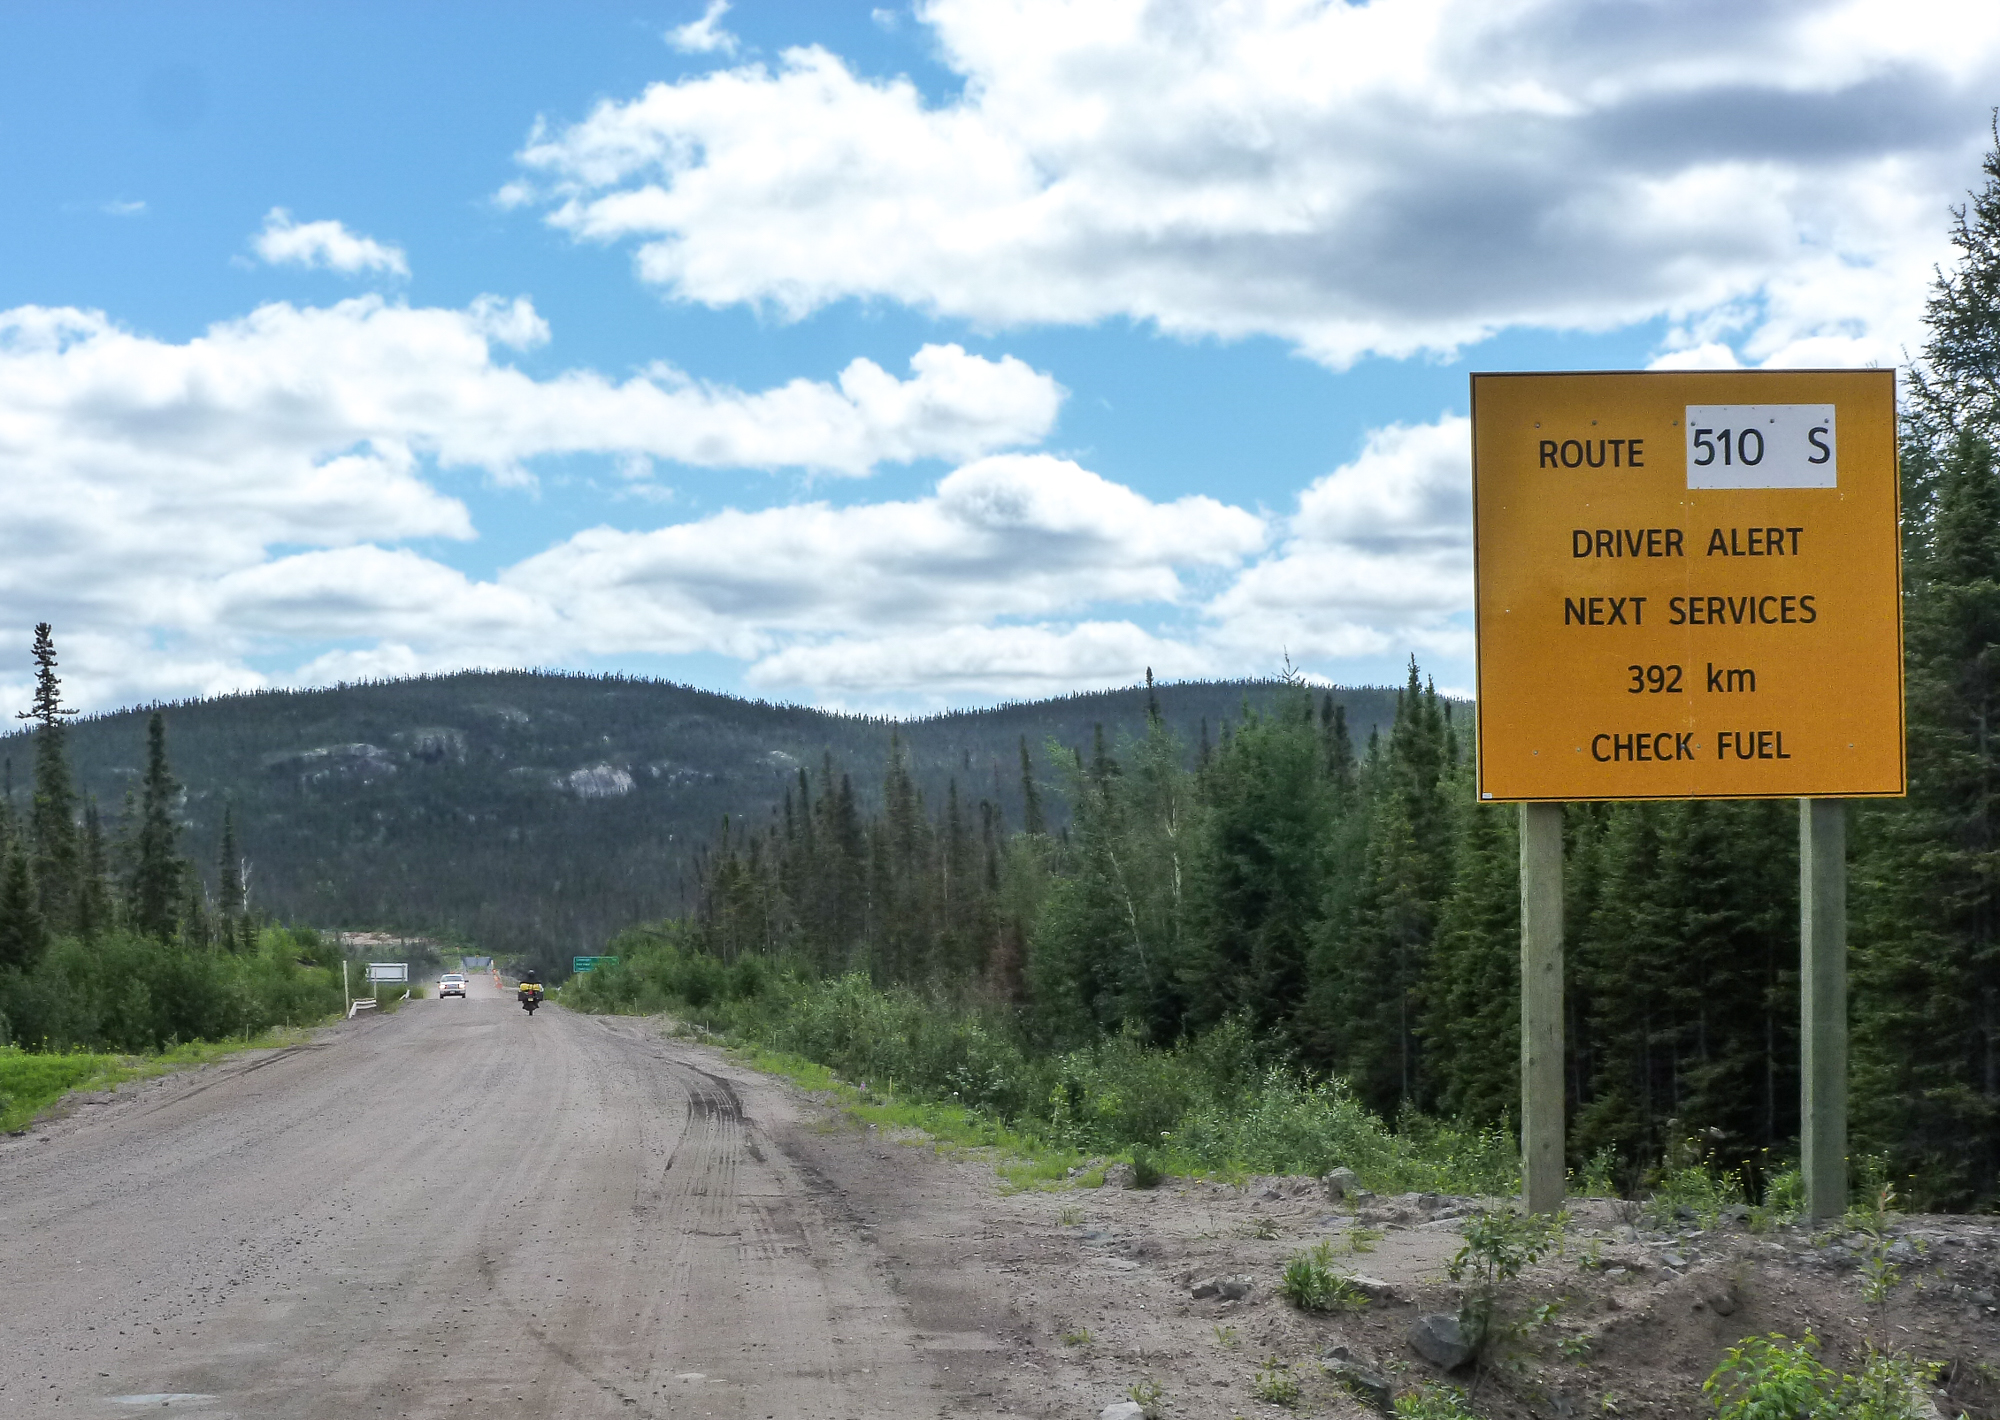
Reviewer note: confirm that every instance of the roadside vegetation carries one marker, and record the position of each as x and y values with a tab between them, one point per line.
111	943
1217	1104
127	993
32	1081
1258	949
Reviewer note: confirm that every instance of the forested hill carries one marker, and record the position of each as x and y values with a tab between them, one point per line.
537	812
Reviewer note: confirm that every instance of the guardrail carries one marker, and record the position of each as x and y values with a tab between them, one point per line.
363	1003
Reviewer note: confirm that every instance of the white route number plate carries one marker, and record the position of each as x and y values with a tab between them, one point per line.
1761	446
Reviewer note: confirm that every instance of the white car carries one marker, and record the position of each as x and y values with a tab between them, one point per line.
452	983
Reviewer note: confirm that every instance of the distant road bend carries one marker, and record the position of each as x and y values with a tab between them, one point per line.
459	1211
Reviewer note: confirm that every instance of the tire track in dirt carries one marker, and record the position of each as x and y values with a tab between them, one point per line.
452	1211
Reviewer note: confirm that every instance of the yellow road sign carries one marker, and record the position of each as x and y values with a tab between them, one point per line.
1689	585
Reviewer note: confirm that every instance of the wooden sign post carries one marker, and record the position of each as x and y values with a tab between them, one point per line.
1689	586
1823	1005
1542	1171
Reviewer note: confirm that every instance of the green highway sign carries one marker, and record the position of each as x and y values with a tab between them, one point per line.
591	963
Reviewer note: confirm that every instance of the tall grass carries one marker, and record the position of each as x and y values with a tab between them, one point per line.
31	1081
1213	1105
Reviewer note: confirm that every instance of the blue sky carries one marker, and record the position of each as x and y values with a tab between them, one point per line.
885	357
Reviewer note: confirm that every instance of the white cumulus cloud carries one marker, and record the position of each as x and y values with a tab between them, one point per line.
705	35
993	583
329	245
180	508
1012	536
1002	662
1376	561
1403	176
170	563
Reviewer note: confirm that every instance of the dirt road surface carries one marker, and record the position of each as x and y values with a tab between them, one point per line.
459	1211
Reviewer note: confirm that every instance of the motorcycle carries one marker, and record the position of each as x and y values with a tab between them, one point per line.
531	996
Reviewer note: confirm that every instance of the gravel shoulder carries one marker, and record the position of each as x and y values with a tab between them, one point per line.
457	1210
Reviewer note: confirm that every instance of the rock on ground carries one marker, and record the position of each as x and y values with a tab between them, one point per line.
1439	1339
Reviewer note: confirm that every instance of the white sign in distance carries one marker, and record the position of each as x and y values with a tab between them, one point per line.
388	971
1761	446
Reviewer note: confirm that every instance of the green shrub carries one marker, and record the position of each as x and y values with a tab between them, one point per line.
1288	1125
1776	1378
1276	1385
132	995
1694	1179
1771	1378
1150	1397
1433	1402
1311	1284
389	995
1498	1244
1146	1170
1784	1198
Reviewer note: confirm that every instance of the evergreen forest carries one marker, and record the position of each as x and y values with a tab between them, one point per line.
533	813
111	938
1351	910
1134	920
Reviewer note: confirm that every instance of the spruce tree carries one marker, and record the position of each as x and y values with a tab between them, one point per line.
94	914
1927	944
1926	933
52	840
1584	827
1956	388
194	918
124	846
1370	963
1472	997
1734	872
906	919
1089	967
1372	955
956	952
989	846
1031	797
1620	963
230	899
1259	872
848	851
1339	748
875	950
23	935
157	872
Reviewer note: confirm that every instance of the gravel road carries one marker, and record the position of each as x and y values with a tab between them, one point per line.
460	1211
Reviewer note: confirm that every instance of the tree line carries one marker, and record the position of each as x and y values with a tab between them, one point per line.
534	813
62	874
112	938
1357	907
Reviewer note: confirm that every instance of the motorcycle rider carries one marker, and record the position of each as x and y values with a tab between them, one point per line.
530	994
